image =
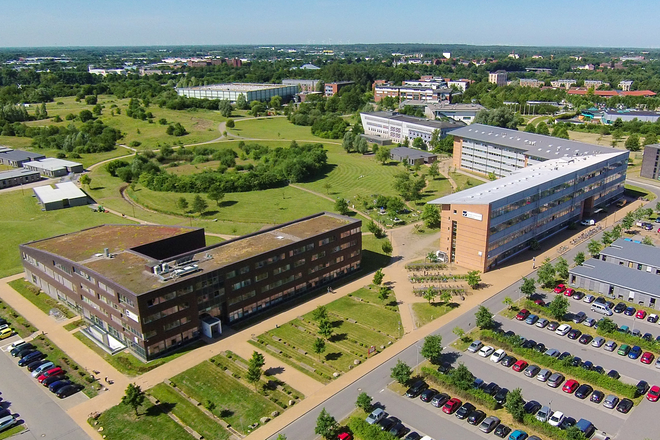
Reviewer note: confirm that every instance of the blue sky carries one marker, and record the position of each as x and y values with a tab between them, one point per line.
169	22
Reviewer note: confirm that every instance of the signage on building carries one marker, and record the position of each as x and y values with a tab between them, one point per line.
473	215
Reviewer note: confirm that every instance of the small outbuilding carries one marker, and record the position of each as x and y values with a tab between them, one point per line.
412	156
52	167
18	177
60	195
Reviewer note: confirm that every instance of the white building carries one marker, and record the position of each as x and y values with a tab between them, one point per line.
396	127
531	82
625	85
458	112
459	84
565	83
499	78
231	92
595	83
60	195
52	167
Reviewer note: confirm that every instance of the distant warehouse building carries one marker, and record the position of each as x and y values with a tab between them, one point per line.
16	158
610	116
484	225
231	92
458	112
625	270
60	195
18	177
397	127
52	167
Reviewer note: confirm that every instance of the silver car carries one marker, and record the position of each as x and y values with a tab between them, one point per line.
610	401
553	352
533	370
610	346
598	342
543	375
475	346
555	380
489	424
544	414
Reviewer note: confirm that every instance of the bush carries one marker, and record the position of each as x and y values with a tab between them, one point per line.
446	381
362	430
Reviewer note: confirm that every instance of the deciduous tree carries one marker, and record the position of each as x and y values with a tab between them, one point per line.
326	425
319	346
378	277
579	259
546	274
401	372
561	267
341	206
133	397
364	402
558	307
432	347
515	404
431	216
320	313
199	204
216	194
484	318
473	279
594	247
383	155
528	286
182	204
325	328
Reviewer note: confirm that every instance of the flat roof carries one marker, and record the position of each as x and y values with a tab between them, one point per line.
632	279
58	191
20	155
537	145
523	179
128	268
455	107
631	251
411	153
51	163
630	113
19	172
236	87
394	116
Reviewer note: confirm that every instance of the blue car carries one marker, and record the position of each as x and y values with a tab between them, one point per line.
635	352
531	319
518	435
629	311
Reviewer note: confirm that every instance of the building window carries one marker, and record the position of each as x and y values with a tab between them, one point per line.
244	269
302	261
260	277
230	275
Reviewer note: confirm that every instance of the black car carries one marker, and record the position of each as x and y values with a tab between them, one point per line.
574	334
583	391
507	361
55	386
4	412
492	389
532	407
598	369
576	362
619	308
597	396
567	423
629	311
35	364
529	344
31	357
653	318
500	396
552	326
502	431
465	410
540	347
577	295
445	368
47	381
413	436
585	339
509	334
613	374
428	394
564	355
642	387
399	430
440	399
416	388
387	423
476	417
588	365
15	352
609	304
624	405
68	390
647	337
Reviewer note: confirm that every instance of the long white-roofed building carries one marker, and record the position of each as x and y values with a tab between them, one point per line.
231	92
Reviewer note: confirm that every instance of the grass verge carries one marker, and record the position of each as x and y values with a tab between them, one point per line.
74	325
22	326
40	299
425	312
12	431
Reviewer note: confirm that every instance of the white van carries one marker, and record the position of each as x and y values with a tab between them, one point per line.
601	308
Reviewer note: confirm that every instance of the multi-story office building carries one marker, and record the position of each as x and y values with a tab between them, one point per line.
151	288
484	225
487	149
396	127
499	78
305	85
531	82
231	92
331	89
650	162
563	83
592	83
421	93
625	270
458	112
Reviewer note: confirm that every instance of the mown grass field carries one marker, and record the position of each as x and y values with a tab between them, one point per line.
275	128
425	312
22	220
235	403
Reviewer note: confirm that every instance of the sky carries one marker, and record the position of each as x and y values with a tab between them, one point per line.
610	23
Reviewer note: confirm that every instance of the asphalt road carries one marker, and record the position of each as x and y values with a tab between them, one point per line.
42	415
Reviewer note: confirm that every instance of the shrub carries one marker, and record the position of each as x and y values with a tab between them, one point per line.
446	381
361	429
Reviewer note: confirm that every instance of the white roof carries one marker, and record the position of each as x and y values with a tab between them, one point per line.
51	163
60	191
523	179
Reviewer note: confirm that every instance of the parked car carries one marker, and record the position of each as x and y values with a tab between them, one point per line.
19	349
610	346
440	399
428	394
544	414
486	351
532	370
587	365
498	355
647	358
635	352
589	299
500	396
48	373
641	314
465	410
542	322
376	415
519	365
529	343
556	418
598	369
590	322
416	388
531	319
569	292
574	334
518	435
476	417
502	431
597	342
567	423
540	347
475	346
55	386
585	339
652	318
610	401
553	352
577	295
51	379
564	355
491	389
653	394
7	422
642	387
489	424
555	380
452	405
563	329
68	390
41	368
387	423
597	396
399	430
620	307
560	288
543	375
623	350
647	337
630	310
532	407
31	357
552	326
6	332
36	364
624	405
570	386
508	360
588	222
613	374
522	315
445	367
583	391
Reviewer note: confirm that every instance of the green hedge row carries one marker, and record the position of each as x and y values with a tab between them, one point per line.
476	395
363	431
511	343
551	431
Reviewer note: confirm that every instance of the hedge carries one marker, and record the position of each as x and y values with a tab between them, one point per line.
477	395
547	429
593	378
363	431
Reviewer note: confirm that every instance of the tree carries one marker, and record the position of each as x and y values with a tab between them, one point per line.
608	238
528	287
325	328
462	377
225	108
546	274
91	99
319	346
579	259
361	145
281	437
594	247
473	279
85	180
216	194
492	176
387	247
607	325
445	296
628	221
542	128
558	307
133	397
650	139
326	425
529	128
561	267
254	373
395	205
199	204
320	313
275	102
347	142
432	347
364	402
341	206
508	302
401	372
434	143
430	294
419	143
431	216
574	433
434	172
378	277
515	405
484	318
383	293
648	241
241	102
258	359
230	123
383	155
503	117
85	116
459	332
182	204
632	143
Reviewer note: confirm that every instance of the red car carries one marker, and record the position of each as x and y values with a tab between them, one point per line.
522	315
560	288
519	366
52	372
539	302
647	357
345	436
653	394
570	386
451	406
569	292
641	314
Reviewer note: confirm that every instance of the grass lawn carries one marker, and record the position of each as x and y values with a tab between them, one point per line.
22	220
373	257
74	325
425	312
58	357
120	423
21	326
128	364
371	315
12	431
465	182
44	302
274	128
188	413
434	189
636	191
236	404
15	142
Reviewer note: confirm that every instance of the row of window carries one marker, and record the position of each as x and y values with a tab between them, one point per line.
170	295
164	313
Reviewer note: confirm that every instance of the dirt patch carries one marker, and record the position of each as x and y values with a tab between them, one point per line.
202	124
